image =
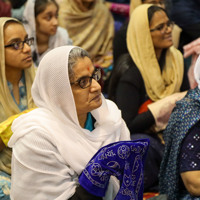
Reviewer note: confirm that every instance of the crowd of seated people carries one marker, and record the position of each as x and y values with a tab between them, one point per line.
74	80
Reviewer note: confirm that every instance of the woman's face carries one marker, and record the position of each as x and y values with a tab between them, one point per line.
47	21
21	58
89	98
161	38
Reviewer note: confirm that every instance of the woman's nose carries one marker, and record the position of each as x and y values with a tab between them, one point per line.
55	21
95	86
26	47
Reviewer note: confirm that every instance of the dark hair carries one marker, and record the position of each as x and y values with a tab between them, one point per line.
40	5
17	3
153	9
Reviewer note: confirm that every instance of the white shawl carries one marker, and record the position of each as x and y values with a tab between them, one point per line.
61	37
48	143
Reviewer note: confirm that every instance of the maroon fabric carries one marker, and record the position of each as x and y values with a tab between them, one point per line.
5	9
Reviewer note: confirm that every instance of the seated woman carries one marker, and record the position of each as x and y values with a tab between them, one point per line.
119	41
154	76
91	26
180	167
40	19
16	75
59	138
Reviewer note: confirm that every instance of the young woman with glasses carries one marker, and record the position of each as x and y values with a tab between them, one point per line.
152	80
62	138
16	75
40	19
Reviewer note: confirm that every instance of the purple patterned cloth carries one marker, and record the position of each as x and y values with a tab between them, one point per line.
125	161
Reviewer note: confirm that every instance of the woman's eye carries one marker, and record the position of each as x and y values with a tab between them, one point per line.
48	18
16	45
83	82
160	27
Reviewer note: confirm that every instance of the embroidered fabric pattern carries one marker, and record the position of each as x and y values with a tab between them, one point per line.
125	161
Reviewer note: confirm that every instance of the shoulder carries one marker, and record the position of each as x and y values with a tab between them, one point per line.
30	124
132	73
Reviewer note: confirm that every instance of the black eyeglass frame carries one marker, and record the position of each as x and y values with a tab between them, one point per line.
28	41
169	24
96	76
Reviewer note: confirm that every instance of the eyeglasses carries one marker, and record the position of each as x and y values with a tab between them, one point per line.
86	81
20	44
163	27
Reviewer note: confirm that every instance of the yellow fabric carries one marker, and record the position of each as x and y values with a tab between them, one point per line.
92	29
140	46
134	4
5	126
8	107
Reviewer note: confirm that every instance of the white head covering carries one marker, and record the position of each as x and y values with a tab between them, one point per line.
59	39
197	72
57	117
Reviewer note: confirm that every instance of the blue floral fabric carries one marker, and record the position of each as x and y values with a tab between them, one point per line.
185	115
5	184
125	161
23	104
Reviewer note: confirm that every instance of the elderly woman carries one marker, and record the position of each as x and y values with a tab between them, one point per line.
150	85
180	167
53	143
16	75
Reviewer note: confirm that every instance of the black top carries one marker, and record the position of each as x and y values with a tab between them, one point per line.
17	3
119	42
189	157
82	194
131	94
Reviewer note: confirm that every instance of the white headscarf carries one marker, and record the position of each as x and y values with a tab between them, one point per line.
56	120
59	39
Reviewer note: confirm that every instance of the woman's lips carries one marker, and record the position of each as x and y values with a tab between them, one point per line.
28	58
97	98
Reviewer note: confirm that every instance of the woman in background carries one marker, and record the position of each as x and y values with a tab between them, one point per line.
91	26
150	85
119	41
40	19
16	77
180	167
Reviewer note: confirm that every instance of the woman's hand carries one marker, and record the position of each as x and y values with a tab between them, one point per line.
162	109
